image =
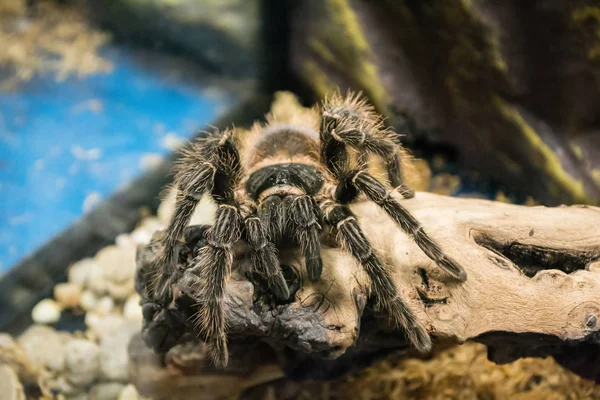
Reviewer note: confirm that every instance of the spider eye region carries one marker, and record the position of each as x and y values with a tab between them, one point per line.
303	176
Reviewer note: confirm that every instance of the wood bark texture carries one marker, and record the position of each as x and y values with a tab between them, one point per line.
533	289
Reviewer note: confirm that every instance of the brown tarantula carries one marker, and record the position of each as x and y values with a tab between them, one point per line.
286	182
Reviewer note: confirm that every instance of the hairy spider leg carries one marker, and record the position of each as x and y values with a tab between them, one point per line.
262	251
305	229
219	155
355	125
191	186
353	239
365	182
213	267
273	216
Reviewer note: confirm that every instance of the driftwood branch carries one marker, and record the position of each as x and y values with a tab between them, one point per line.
533	289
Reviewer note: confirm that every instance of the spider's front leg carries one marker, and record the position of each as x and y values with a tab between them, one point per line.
234	217
351	122
386	294
212	267
191	183
363	181
262	251
305	228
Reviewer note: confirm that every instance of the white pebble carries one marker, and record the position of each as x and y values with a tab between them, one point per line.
129	392
118	269
124	240
104	306
104	325
79	271
106	391
141	236
132	310
44	347
92	320
82	362
11	388
95	280
114	359
46	311
67	294
88	300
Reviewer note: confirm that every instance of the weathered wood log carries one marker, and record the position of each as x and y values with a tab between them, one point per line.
514	85
532	290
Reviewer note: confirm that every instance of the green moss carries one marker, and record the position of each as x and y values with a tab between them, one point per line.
322	50
469	51
577	151
340	44
587	19
458	60
319	80
542	155
596	175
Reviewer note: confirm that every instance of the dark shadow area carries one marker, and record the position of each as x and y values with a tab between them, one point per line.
532	259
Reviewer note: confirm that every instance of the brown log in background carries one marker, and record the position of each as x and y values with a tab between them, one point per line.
514	85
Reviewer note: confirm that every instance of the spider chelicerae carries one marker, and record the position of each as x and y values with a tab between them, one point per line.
288	182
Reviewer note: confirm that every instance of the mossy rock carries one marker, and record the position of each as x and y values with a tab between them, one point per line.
515	86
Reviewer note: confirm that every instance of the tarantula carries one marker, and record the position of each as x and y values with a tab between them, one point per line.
288	182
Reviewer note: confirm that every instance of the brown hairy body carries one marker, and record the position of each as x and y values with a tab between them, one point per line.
285	182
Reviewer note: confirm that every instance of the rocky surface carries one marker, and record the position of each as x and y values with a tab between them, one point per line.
514	86
85	364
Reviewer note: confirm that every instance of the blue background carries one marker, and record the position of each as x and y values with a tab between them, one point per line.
61	143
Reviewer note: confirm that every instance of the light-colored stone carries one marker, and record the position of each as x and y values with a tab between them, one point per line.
104	306
44	347
88	300
82	362
141	236
78	272
114	358
118	269
13	355
120	291
143	233
10	387
46	311
104	325
95	280
124	240
106	391
132	311
67	295
129	392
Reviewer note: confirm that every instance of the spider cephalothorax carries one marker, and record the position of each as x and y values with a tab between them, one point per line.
287	182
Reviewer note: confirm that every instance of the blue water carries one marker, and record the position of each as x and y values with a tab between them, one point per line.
65	146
